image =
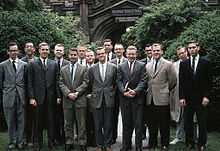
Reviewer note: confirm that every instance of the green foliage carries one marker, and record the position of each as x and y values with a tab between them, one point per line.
162	23
33	5
206	32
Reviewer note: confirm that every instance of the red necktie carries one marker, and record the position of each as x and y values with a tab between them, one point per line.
130	68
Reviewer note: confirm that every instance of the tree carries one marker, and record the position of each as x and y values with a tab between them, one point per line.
162	22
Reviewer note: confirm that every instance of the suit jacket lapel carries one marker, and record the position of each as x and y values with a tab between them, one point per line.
97	70
127	69
198	65
77	73
107	71
18	67
159	67
10	67
67	71
41	65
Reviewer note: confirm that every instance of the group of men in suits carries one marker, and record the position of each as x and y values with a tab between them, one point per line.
67	90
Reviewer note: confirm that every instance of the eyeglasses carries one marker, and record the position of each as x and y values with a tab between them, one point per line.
192	47
12	50
29	46
44	49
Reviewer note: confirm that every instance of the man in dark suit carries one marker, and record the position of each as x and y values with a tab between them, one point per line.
13	85
161	81
131	81
102	84
29	121
148	59
59	133
107	44
119	50
148	53
44	94
194	89
73	84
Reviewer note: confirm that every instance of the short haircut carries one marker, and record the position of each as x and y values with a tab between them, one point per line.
193	42
59	45
157	44
81	45
73	49
119	44
131	48
99	48
89	50
43	44
28	41
180	47
147	45
12	44
107	40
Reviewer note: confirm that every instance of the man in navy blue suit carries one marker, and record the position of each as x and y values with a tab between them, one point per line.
194	88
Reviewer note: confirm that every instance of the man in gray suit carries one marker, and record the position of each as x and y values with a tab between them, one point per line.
118	50
43	94
29	121
148	53
13	85
73	84
131	81
161	81
102	84
59	121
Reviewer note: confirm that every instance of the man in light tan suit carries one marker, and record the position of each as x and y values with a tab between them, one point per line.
73	84
161	81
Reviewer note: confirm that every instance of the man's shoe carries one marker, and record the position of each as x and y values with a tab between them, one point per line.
149	147
83	148
190	147
98	149
138	149
37	148
202	148
52	148
68	147
175	141
164	148
125	148
108	149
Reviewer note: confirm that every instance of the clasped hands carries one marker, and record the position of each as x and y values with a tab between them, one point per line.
130	93
73	96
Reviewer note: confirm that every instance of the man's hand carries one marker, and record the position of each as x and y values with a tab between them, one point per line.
72	96
129	95
33	102
58	100
205	101
183	102
88	96
132	92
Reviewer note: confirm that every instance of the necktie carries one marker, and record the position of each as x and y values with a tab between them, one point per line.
44	63
72	74
119	61
81	61
130	68
193	65
155	68
59	65
108	57
13	65
103	75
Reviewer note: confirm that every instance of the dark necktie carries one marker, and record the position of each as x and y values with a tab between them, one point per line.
119	61
72	73
130	68
44	64
193	65
59	65
13	65
81	61
108	57
155	68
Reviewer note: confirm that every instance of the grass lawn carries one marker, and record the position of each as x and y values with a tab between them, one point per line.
213	143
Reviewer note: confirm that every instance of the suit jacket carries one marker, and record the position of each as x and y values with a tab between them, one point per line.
26	60
42	82
175	106
160	83
10	82
193	87
137	78
145	61
80	85
114	61
64	63
100	89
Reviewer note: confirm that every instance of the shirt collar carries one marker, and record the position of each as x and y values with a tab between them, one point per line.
16	60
